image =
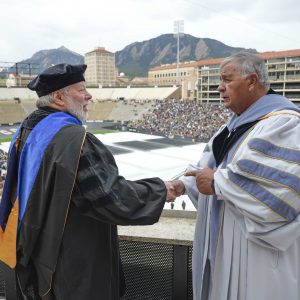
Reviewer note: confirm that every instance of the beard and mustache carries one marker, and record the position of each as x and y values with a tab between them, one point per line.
76	109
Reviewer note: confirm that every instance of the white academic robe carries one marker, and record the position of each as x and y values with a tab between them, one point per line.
258	252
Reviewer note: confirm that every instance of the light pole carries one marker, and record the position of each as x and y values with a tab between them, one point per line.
178	31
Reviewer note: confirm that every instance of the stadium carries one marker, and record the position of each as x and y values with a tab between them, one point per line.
148	137
143	146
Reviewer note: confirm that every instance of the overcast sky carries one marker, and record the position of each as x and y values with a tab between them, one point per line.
32	25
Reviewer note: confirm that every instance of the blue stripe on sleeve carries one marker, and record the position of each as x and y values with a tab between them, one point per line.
264	196
289	180
275	151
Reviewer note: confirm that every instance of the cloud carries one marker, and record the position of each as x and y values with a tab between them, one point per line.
34	25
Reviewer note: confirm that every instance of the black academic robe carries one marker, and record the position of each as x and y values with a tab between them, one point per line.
83	261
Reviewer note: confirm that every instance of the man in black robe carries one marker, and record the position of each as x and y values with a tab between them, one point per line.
64	185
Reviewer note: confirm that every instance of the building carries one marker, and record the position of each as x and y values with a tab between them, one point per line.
166	75
123	80
283	67
20	80
284	72
101	68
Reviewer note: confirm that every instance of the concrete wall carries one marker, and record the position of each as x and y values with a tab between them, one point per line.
21	93
101	94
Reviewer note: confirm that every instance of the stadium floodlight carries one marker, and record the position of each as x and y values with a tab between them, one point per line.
178	31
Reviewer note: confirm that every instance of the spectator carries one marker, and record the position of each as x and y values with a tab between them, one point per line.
183	118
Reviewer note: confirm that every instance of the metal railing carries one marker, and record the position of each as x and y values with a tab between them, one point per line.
153	271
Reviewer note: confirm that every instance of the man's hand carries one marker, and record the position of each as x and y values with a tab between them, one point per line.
175	189
204	179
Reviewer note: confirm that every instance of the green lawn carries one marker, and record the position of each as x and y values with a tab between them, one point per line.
104	131
6	139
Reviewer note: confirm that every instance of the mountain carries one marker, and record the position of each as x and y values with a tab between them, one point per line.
135	59
45	58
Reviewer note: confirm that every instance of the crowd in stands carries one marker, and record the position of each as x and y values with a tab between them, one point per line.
3	168
183	118
172	118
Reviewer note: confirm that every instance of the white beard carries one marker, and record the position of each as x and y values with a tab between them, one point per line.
76	109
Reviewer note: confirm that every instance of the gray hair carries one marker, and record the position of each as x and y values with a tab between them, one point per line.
248	63
47	99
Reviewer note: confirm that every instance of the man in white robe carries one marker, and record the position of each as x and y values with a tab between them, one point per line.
246	189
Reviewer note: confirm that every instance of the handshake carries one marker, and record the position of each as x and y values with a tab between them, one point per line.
175	188
204	179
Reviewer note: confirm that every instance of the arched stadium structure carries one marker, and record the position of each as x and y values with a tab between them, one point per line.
114	104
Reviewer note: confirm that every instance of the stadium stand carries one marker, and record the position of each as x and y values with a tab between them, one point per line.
136	93
11	111
130	110
28	105
183	118
100	110
116	93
